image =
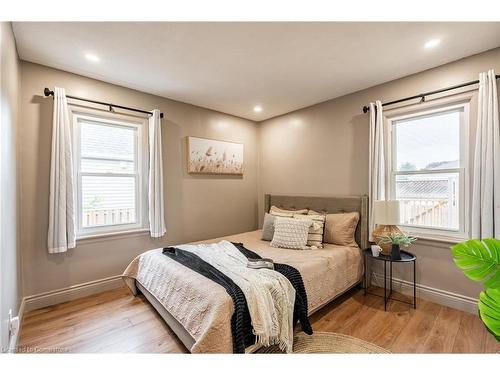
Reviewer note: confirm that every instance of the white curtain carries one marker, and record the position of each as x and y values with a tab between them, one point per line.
61	235
156	207
486	184
377	162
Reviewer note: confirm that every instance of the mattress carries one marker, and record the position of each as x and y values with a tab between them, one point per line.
204	309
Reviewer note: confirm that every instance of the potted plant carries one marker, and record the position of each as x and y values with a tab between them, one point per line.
397	240
480	261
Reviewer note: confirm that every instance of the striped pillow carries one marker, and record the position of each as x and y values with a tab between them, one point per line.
290	233
315	235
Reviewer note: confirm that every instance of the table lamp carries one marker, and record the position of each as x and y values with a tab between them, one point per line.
386	218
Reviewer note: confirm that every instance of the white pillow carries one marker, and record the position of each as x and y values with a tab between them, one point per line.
290	233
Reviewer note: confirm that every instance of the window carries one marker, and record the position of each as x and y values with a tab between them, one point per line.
429	171
109	166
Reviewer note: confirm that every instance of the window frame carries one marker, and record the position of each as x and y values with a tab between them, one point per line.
140	173
440	234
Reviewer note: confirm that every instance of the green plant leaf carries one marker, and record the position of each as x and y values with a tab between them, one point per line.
480	260
489	311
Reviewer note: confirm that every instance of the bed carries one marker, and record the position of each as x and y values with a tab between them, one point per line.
199	311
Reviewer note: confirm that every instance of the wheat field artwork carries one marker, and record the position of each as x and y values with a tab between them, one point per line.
211	156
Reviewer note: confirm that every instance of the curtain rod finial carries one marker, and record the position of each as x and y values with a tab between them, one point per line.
48	92
366	109
161	115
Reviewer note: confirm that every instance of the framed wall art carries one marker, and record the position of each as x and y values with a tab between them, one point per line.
211	156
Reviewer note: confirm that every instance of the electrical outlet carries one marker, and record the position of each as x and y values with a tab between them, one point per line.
13	324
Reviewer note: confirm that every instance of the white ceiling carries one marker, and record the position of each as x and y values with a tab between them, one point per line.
231	67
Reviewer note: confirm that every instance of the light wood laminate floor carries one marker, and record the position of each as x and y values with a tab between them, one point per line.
116	321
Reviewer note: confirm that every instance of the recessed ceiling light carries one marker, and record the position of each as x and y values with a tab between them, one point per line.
432	43
91	57
257	108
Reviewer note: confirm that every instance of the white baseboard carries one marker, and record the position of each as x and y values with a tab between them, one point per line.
70	293
442	297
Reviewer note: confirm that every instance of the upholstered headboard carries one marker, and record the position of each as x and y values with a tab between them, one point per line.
332	205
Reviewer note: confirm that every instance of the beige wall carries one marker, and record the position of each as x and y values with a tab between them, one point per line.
323	149
319	150
197	207
10	275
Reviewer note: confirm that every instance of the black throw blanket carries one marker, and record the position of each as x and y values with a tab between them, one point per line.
241	323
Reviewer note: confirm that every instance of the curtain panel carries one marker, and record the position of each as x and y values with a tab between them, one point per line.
486	173
156	202
377	161
61	234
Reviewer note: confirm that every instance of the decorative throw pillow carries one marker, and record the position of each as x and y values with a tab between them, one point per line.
315	235
340	228
268	227
276	211
312	212
290	233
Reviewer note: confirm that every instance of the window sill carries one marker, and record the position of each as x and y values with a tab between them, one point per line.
436	241
98	237
443	236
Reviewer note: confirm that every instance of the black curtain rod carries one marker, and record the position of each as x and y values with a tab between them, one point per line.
422	96
48	92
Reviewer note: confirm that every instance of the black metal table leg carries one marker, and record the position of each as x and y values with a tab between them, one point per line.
366	277
385	286
390	290
414	285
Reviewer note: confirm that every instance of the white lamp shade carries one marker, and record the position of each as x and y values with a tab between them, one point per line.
386	212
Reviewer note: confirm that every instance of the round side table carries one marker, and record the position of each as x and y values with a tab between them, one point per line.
406	257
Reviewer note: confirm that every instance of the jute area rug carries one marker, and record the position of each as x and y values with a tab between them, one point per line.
326	342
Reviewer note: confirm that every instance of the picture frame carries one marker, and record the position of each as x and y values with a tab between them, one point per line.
213	156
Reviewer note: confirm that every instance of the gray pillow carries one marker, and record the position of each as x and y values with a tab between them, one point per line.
268	227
